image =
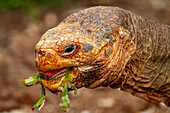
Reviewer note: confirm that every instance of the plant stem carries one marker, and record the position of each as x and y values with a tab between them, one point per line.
41	101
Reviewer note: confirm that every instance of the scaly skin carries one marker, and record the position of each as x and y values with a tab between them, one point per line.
113	47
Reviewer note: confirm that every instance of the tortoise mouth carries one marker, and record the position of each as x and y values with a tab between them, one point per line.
55	73
53	79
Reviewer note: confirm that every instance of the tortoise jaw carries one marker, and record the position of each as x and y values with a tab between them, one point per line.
54	81
85	68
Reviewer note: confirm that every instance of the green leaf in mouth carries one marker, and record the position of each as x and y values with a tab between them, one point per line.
64	87
32	81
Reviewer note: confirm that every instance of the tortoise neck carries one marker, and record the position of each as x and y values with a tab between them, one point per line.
147	72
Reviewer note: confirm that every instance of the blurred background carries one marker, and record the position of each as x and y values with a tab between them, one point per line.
22	22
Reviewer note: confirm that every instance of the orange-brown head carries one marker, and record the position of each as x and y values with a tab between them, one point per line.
87	43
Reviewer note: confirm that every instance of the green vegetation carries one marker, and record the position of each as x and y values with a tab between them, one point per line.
34	80
65	84
41	101
30	7
65	99
28	4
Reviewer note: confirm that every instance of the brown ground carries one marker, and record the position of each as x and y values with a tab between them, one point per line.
18	37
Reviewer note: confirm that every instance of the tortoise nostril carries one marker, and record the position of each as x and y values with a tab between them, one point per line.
38	55
41	52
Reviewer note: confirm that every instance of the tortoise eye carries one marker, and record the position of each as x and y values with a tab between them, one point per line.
69	50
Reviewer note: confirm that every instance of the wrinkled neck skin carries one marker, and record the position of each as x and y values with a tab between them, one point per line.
148	70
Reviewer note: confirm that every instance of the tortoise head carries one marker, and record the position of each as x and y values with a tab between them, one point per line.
85	43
